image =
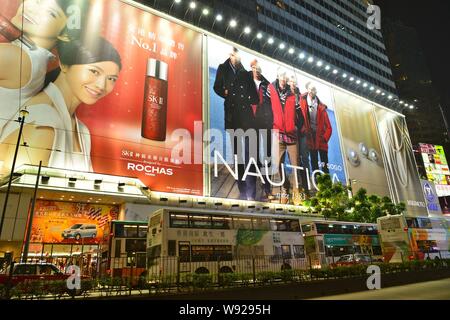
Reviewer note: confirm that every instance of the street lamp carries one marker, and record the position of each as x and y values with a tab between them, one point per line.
22	114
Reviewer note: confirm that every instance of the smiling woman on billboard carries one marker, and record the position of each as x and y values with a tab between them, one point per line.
27	39
90	67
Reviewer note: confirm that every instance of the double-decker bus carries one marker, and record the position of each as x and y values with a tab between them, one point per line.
327	241
197	241
408	238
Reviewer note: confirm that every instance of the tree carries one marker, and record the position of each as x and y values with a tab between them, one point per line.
332	202
332	198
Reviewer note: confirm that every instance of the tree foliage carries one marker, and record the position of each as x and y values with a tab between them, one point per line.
333	202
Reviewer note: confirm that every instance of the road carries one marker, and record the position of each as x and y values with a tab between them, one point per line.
433	290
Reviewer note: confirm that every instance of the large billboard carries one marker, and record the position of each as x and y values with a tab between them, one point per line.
273	128
68	222
399	160
114	89
362	149
436	167
122	87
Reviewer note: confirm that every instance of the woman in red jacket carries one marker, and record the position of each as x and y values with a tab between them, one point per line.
316	128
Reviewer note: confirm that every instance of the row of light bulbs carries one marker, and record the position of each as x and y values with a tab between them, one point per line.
302	56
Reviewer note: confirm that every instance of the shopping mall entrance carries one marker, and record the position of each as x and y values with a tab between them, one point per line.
87	257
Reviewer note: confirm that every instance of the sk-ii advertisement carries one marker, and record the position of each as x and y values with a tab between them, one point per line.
273	129
108	87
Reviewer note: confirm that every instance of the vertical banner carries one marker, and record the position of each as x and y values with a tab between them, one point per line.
431	198
400	163
122	94
362	149
436	167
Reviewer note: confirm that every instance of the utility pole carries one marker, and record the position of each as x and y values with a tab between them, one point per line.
23	113
30	219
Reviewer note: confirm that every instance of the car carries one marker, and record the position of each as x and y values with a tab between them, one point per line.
353	259
80	230
40	271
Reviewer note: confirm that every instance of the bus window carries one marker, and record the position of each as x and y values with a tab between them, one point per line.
322	228
142	231
424	223
131	231
306	227
179	221
412	223
438	224
211	253
299	251
200	222
221	222
377	251
184	251
154	252
294	226
261	224
242	223
172	248
285	225
286	251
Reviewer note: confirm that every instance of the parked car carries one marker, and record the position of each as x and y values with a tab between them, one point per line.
41	271
79	231
353	259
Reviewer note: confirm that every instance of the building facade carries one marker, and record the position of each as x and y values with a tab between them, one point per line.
333	32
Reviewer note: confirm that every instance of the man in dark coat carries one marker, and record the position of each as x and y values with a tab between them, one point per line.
236	86
264	124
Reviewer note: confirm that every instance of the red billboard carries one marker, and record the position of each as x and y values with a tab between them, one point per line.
120	84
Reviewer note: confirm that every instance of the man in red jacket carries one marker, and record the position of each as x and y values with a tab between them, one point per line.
316	128
284	120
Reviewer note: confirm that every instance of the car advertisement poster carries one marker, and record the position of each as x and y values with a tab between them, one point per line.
109	88
67	222
273	129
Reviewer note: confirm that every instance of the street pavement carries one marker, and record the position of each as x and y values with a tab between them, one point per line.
433	290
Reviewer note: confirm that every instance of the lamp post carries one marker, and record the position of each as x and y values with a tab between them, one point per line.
30	219
23	113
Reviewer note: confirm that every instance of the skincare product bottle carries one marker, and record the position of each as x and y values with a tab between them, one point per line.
9	33
154	117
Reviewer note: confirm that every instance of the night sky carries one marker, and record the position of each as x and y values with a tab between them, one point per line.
431	19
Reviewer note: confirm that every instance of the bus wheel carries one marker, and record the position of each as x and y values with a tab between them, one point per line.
225	270
286	266
202	270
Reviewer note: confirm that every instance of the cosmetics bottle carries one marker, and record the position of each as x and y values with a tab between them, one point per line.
154	116
9	33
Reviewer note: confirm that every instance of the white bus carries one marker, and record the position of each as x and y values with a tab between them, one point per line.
414	238
195	241
327	241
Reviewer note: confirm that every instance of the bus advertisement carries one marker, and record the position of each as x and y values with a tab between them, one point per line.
194	241
414	238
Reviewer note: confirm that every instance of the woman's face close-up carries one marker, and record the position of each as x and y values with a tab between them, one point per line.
40	18
91	82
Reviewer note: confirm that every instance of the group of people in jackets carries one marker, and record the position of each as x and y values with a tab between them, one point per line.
299	123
